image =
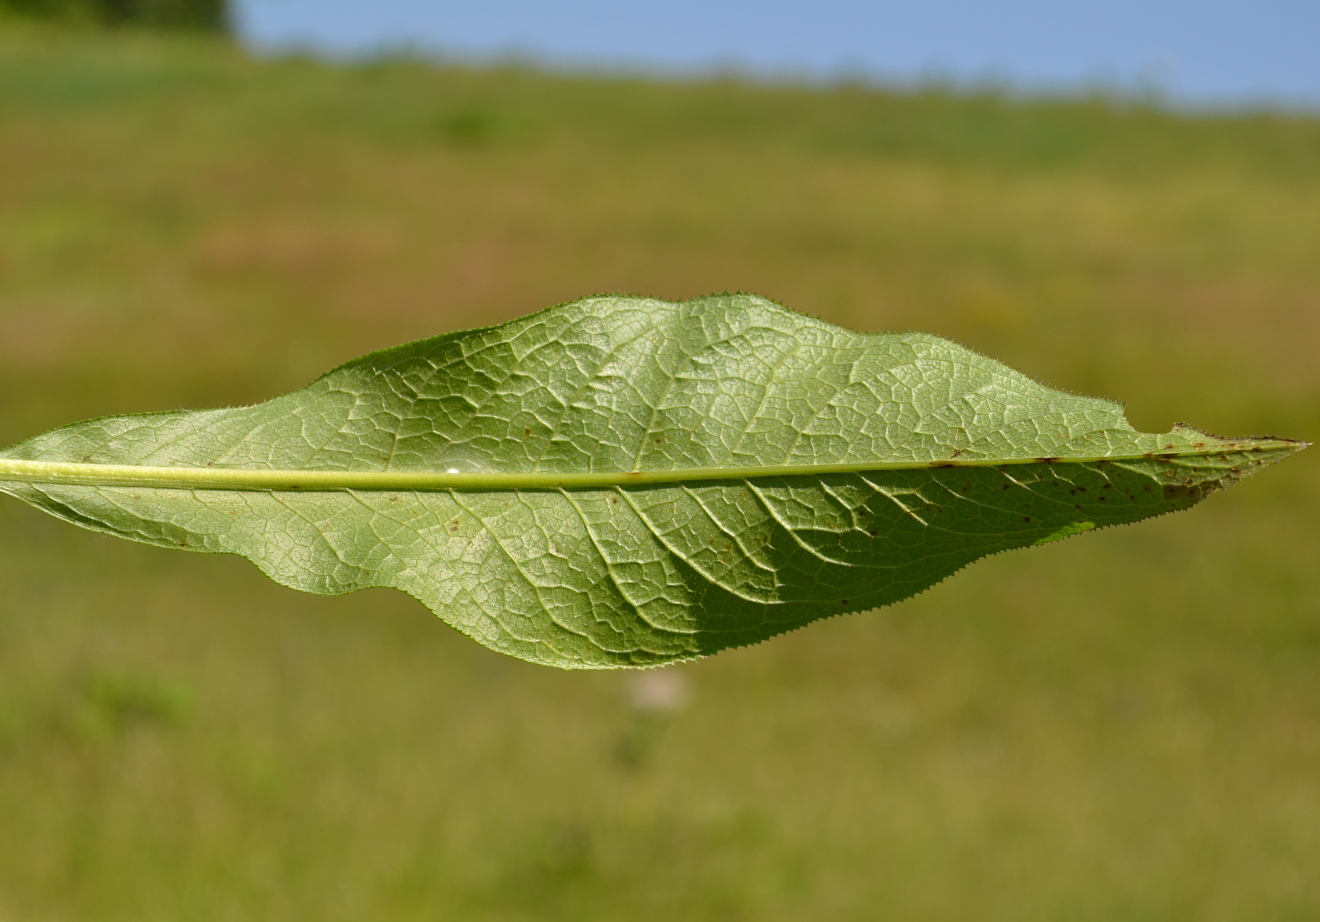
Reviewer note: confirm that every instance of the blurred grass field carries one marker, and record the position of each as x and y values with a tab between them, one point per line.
1121	726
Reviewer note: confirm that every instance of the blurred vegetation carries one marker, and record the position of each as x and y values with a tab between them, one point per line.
200	15
1121	726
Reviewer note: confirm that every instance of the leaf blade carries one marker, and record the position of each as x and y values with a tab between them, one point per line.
623	481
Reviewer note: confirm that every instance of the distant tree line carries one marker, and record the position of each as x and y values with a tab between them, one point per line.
197	15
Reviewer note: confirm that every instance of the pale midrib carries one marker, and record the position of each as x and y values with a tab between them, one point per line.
70	473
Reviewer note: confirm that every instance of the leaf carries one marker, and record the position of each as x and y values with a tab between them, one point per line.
623	482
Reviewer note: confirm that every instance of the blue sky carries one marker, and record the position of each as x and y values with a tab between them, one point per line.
1208	53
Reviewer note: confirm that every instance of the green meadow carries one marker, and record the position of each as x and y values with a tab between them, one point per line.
1122	726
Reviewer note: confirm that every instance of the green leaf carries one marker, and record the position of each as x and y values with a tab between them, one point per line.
622	481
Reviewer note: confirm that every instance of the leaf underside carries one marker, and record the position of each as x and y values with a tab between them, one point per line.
624	482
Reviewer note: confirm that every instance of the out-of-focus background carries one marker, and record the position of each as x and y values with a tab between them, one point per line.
205	207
